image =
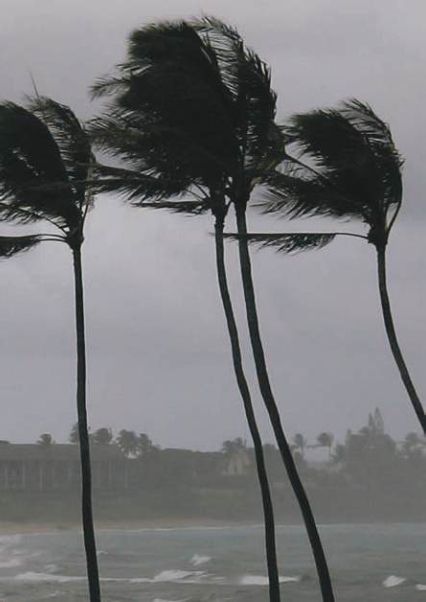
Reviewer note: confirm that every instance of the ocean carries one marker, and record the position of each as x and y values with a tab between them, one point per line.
369	563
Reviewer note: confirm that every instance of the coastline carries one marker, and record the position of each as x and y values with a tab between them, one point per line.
31	528
166	524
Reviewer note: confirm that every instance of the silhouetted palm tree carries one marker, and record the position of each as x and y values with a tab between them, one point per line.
348	166
195	108
45	158
174	120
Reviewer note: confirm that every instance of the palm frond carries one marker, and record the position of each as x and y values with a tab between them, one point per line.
31	169
294	192
350	152
288	243
11	245
136	186
72	140
248	80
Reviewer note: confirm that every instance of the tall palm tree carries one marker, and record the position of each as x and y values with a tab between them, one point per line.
347	166
45	158
172	121
193	108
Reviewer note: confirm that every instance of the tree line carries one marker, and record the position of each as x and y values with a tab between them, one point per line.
190	126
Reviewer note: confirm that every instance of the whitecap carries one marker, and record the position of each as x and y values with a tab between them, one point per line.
176	575
163	600
196	560
33	577
393	581
10	539
261	580
420	587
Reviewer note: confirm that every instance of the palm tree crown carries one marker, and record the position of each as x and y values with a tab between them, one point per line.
191	106
45	157
347	166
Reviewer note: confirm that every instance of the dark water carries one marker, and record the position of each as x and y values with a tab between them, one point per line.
370	563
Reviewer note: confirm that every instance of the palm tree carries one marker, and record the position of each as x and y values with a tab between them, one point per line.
45	158
172	121
195	108
348	166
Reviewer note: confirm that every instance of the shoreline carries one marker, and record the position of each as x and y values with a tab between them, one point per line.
166	524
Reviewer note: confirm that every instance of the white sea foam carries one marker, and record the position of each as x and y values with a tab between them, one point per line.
196	560
261	580
32	577
163	600
393	581
7	540
420	587
177	575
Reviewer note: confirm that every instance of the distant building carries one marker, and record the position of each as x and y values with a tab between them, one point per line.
35	467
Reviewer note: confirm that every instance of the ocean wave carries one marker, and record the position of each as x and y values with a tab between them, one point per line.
393	581
33	577
10	539
420	587
261	580
196	560
163	600
177	575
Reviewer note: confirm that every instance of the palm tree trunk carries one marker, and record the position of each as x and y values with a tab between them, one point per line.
86	479
393	341
268	511
274	416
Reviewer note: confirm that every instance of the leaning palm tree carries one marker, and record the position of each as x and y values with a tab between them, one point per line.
347	166
150	126
194	108
45	158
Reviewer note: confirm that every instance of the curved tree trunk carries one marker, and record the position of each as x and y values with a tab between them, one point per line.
86	479
274	416
393	341
268	511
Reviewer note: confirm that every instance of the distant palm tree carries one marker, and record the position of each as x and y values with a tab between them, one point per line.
194	107
45	158
348	166
173	120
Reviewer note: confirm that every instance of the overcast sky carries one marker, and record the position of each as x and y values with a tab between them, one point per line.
158	353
